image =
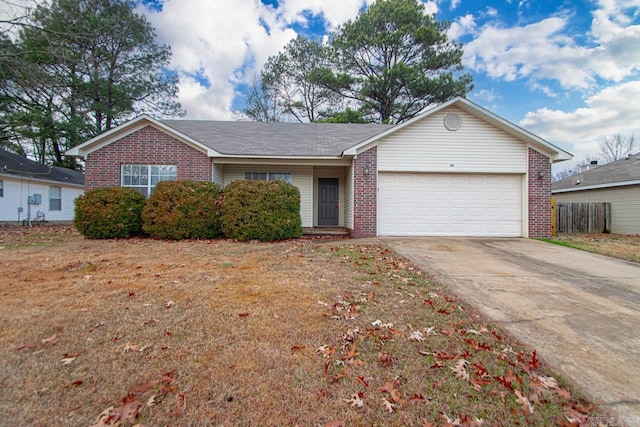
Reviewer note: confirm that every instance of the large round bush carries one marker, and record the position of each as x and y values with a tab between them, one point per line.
183	210
107	213
261	210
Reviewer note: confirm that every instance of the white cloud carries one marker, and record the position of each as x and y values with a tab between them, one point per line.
486	95
613	110
431	8
462	26
227	42
541	50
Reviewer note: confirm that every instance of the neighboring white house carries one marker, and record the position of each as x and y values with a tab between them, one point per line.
30	190
617	183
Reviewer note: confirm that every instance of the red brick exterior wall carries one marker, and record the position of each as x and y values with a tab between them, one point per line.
365	194
539	195
147	146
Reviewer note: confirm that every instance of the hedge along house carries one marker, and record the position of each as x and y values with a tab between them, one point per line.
455	170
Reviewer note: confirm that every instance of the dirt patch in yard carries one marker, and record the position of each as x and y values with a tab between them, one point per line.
621	246
226	333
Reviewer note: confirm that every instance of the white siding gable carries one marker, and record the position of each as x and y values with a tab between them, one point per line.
428	146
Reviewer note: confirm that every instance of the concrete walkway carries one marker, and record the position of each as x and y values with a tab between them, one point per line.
581	311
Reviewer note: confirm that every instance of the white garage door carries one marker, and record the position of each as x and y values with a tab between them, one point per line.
449	205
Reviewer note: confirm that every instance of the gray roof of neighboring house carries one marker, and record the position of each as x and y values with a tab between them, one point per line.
276	139
621	171
16	165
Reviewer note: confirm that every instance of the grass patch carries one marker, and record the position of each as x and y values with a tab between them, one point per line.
621	246
225	333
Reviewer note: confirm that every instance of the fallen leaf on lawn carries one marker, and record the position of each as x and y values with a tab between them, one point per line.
243	314
351	353
388	386
106	418
153	400
130	409
524	401
326	351
335	424
48	342
416	336
297	348
376	323
356	400
430	331
67	360
388	406
460	369
170	304
135	348
28	346
77	383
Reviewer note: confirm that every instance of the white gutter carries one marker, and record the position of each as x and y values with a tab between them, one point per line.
596	187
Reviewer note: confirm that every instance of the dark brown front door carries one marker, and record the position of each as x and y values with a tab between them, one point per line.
328	198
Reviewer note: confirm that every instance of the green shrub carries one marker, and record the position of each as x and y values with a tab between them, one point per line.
107	213
183	210
261	210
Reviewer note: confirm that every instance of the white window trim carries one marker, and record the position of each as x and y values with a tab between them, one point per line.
289	176
149	186
51	198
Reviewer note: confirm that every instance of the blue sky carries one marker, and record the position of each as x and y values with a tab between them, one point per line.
568	71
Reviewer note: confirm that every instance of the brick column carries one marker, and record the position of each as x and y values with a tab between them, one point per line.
365	194
539	195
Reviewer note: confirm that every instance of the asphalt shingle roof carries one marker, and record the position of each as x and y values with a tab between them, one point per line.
276	139
16	165
623	170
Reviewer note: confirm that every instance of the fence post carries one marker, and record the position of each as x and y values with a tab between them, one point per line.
554	220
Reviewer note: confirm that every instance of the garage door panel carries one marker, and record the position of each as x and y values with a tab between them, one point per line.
449	205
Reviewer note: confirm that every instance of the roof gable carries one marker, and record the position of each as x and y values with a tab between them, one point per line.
621	172
19	166
128	128
555	153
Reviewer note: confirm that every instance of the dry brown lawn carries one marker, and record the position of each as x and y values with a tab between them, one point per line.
139	331
621	246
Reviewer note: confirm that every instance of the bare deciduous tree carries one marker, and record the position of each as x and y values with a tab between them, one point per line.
616	147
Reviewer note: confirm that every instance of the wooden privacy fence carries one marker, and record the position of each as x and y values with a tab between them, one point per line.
582	217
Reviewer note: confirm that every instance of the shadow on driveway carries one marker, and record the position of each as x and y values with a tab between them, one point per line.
581	311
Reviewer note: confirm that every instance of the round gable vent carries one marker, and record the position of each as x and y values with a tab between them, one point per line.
452	121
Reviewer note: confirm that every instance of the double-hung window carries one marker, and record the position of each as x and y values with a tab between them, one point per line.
144	178
1	188
55	198
268	176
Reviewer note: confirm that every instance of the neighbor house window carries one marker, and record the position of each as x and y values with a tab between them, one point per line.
1	188
55	198
268	176
144	178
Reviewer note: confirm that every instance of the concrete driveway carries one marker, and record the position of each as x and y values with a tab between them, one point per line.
581	311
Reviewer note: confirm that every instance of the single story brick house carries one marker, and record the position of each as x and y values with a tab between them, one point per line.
617	183
455	170
30	190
